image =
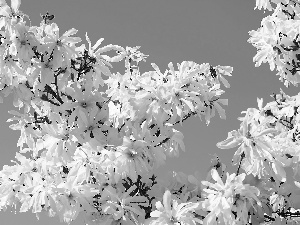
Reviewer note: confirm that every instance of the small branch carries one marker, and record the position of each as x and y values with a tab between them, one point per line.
269	217
49	90
186	117
45	98
162	142
242	157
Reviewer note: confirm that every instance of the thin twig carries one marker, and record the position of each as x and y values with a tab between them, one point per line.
242	157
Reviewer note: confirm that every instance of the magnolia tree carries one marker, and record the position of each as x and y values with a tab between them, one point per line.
93	138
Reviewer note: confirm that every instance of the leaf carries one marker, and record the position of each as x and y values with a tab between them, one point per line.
5	10
39	201
260	103
267	131
260	57
74	170
297	184
225	82
227	70
15	5
260	212
2	3
167	201
81	174
26	205
231	142
83	117
97	43
215	176
88	39
103	69
170	65
178	138
254	220
189	104
267	209
220	110
223	101
117	177
156	69
70	32
207	115
179	113
192	179
279	171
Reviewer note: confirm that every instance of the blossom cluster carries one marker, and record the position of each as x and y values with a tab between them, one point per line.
89	131
94	137
228	203
268	145
277	40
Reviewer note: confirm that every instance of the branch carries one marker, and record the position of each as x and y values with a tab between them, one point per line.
186	117
162	142
45	98
242	157
49	90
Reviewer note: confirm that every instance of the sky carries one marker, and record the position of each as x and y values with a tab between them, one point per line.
203	31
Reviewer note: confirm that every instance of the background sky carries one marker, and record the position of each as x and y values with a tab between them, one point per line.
203	31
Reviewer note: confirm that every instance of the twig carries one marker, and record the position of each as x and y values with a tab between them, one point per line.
242	157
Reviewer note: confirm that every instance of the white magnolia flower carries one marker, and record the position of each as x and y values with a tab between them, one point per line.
170	212
221	199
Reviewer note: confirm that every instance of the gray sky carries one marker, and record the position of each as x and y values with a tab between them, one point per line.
203	31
